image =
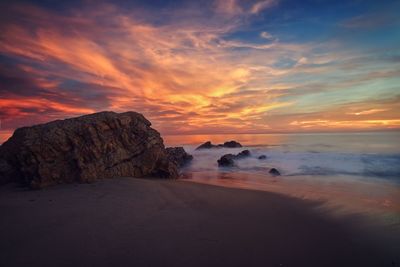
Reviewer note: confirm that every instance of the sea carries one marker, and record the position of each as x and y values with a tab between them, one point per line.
347	172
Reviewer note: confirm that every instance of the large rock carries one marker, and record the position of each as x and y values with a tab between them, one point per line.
84	149
229	144
179	155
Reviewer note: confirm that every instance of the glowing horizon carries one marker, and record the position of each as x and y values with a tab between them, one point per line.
198	68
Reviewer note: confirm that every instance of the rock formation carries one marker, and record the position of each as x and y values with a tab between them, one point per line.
229	144
262	157
228	160
179	155
85	149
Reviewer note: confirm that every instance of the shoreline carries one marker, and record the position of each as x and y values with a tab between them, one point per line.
349	194
153	222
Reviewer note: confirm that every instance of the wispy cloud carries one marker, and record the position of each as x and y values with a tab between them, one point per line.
266	35
230	7
261	5
369	111
240	7
187	74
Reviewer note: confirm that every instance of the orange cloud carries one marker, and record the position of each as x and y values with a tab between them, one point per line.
353	124
39	104
369	111
186	77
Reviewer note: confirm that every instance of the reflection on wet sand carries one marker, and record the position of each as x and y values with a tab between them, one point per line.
340	194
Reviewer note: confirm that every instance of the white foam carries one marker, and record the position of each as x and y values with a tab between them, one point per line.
290	161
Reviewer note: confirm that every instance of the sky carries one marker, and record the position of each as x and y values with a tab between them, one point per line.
201	67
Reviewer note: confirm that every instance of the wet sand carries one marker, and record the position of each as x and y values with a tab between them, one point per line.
339	194
138	222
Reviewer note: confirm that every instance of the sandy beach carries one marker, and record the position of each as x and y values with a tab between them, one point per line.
142	222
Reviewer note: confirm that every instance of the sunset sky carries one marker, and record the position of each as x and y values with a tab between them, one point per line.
223	66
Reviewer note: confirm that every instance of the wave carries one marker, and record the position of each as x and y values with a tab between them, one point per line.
291	162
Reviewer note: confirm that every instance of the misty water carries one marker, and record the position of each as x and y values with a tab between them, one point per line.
349	172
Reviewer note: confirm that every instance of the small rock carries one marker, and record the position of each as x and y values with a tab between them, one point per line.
206	145
226	161
262	157
229	144
274	172
243	154
232	144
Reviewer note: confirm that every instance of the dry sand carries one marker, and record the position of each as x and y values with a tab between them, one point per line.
139	222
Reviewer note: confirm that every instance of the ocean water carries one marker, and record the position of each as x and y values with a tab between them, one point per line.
374	155
354	171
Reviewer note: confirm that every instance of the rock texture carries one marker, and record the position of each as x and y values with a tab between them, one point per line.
84	149
229	144
179	156
228	160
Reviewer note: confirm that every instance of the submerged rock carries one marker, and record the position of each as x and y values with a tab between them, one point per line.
85	149
262	157
228	160
229	144
179	155
274	172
